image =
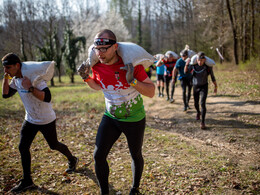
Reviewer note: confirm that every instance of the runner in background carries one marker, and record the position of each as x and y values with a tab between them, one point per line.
149	70
169	61
160	76
200	72
185	79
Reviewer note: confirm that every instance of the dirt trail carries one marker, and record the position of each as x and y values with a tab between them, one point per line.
233	126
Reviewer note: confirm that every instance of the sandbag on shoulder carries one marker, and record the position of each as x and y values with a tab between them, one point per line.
38	71
191	53
208	62
129	52
175	56
158	56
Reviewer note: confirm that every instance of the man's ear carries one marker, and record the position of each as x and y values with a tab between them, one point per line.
18	65
116	46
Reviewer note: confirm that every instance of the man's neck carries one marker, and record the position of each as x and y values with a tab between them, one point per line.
19	74
113	60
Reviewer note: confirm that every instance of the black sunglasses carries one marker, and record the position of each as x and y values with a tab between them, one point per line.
102	49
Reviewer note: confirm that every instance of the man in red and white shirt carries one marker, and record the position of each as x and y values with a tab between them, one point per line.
122	86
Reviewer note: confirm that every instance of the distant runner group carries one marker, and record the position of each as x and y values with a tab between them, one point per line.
194	75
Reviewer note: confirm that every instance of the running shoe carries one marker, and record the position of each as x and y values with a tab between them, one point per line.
135	191
203	126
198	116
72	165
172	100
23	186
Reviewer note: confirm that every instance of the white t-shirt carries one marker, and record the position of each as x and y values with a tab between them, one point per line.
36	111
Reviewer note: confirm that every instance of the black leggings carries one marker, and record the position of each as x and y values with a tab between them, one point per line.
186	82
108	132
167	81
28	133
203	91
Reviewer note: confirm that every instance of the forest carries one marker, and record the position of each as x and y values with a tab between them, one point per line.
63	30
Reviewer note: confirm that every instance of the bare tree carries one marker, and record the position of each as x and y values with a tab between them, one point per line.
234	30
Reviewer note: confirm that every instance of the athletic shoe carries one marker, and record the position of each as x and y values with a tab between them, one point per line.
184	109
172	100
203	126
159	95
72	165
167	99
23	185
162	95
135	191
188	107
198	116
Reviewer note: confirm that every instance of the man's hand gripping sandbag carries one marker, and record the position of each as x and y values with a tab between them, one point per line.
83	70
129	72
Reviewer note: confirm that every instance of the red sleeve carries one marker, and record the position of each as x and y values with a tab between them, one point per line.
139	73
94	77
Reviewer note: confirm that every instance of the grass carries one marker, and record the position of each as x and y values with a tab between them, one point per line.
237	82
173	165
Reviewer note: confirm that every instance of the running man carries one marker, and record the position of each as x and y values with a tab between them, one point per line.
122	86
39	117
169	61
160	78
186	79
200	72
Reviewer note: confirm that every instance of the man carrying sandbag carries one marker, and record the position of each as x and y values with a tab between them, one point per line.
186	79
200	70
39	113
122	85
169	60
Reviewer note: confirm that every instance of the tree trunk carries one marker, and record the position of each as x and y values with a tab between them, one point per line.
241	30
245	35
59	75
234	32
252	38
72	78
52	82
221	32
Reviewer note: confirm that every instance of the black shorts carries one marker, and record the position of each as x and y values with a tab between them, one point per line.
160	77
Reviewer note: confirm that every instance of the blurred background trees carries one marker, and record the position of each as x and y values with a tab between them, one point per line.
36	29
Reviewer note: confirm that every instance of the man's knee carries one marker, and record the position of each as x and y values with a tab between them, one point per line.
23	148
54	146
99	156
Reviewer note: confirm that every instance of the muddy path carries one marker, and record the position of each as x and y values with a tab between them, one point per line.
233	126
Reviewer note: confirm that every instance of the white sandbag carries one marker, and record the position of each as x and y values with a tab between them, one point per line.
175	56
38	71
158	56
190	53
208	62
129	52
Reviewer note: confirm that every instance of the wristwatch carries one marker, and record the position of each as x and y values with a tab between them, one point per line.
133	83
31	89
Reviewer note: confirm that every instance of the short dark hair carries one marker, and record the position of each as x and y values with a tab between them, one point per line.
184	53
10	59
201	55
111	35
